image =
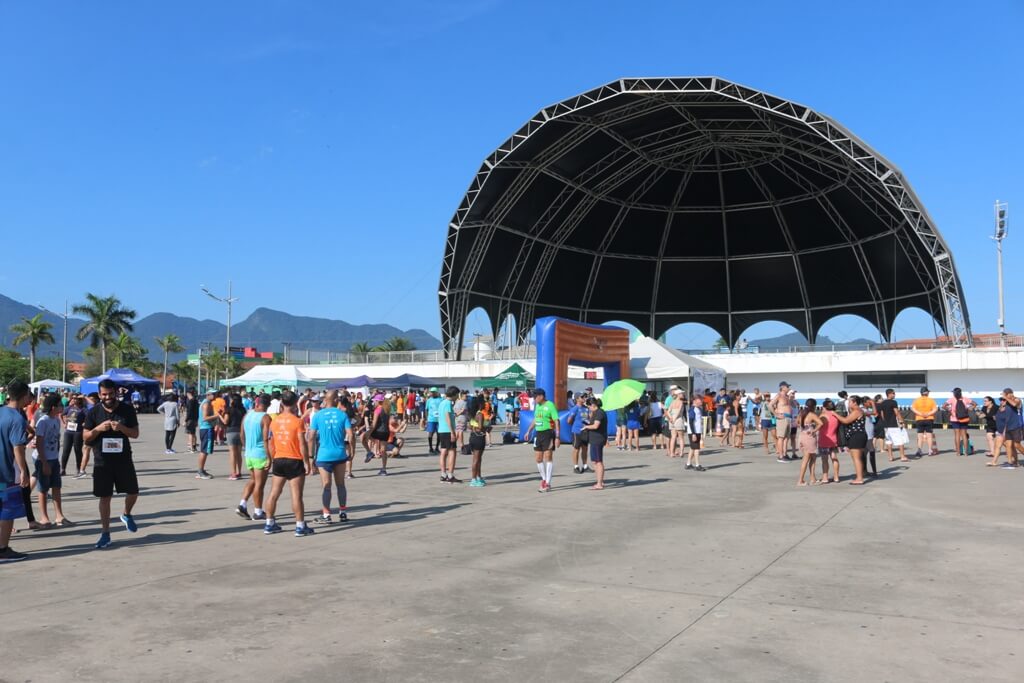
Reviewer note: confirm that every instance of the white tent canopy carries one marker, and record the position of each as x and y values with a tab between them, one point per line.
650	359
273	375
50	384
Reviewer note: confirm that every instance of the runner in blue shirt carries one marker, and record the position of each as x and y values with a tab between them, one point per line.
330	433
430	421
445	432
579	416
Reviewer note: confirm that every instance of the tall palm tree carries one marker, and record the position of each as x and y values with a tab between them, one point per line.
183	372
127	348
105	318
169	343
360	349
398	344
35	331
213	362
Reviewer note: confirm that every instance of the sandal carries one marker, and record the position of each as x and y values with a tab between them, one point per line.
65	523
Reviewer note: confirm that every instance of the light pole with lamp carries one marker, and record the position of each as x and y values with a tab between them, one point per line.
226	300
1002	224
64	354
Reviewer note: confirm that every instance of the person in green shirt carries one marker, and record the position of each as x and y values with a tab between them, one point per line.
545	426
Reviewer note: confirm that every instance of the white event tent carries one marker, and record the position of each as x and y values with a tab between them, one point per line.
650	359
49	384
273	376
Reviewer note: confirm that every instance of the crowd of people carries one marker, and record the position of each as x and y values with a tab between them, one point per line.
283	437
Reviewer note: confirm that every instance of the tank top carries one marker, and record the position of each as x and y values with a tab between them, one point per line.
827	435
253	426
288	431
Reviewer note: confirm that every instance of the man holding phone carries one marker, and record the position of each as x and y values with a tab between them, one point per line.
109	426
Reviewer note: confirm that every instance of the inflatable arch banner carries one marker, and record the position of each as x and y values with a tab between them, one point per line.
561	343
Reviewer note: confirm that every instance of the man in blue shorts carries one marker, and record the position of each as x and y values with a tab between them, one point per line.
430	417
330	434
207	419
14	472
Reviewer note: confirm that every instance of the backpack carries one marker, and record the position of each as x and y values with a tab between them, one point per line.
960	409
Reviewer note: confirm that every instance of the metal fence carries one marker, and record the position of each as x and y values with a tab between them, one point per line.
301	356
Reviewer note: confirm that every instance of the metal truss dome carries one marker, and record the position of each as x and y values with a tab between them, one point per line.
659	201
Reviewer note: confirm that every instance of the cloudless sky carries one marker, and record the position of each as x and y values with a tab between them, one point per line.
148	147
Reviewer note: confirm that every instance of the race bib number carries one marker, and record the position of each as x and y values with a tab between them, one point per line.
112	446
72	426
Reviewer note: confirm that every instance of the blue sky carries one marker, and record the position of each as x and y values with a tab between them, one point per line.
147	147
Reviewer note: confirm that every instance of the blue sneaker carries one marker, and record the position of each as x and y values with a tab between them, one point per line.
369	457
304	530
262	514
104	541
129	523
269	528
483	482
477	483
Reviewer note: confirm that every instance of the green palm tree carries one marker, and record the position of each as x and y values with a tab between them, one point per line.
169	343
398	344
360	349
35	331
128	349
105	318
183	372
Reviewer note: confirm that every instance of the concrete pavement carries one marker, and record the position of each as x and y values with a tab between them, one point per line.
729	574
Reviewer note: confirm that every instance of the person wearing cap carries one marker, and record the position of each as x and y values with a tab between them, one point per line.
545	426
579	415
960	409
675	408
430	418
207	419
924	409
446	436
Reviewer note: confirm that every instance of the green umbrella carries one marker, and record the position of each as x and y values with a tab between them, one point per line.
619	394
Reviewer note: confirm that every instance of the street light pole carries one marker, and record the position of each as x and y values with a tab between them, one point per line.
226	300
64	353
1002	222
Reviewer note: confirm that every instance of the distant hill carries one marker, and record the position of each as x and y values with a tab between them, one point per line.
786	341
264	328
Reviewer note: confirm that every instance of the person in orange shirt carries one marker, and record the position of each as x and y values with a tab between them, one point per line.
399	405
289	462
219	408
924	409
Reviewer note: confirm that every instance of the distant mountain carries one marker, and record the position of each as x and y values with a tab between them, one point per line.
265	329
791	339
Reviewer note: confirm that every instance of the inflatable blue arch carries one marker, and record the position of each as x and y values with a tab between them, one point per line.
561	343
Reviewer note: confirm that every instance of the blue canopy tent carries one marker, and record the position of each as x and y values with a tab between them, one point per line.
125	377
400	382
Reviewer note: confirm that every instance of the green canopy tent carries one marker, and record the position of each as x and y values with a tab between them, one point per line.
512	377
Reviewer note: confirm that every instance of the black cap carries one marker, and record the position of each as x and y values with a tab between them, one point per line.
924	390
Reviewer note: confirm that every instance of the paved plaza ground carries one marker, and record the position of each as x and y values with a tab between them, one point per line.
667	575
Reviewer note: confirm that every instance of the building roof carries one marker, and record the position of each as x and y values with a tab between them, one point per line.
664	201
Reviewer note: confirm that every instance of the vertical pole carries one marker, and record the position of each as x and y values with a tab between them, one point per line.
999	270
64	355
227	342
199	373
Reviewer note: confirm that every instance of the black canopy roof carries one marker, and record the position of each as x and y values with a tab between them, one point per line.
665	201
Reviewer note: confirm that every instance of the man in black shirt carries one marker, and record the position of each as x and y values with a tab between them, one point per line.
191	418
890	419
108	427
597	436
